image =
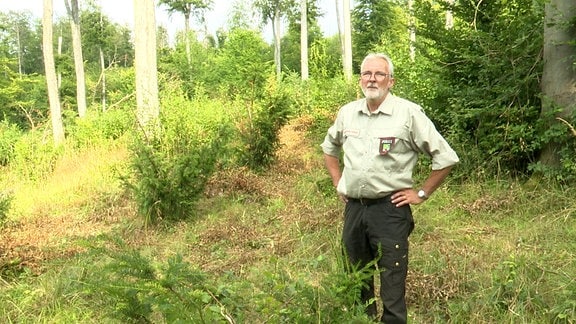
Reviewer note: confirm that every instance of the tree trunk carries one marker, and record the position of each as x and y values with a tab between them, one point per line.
412	31
50	70
20	70
449	16
103	79
304	39
186	36
148	105
339	24
73	12
347	55
559	77
276	31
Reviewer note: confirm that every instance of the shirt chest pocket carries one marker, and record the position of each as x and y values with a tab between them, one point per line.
391	140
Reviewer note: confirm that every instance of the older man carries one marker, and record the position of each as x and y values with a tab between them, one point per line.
382	136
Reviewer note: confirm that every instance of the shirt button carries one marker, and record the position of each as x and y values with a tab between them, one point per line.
397	264
397	246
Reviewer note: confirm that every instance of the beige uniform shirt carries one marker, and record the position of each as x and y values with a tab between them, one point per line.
382	148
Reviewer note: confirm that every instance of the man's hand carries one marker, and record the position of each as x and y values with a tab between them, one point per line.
406	197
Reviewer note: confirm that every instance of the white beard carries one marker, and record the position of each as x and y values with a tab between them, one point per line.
372	94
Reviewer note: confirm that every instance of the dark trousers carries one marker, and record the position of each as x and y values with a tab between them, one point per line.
377	230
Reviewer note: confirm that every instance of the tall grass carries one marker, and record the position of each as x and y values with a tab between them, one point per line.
265	247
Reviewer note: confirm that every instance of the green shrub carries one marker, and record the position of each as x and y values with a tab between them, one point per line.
98	127
35	155
170	171
131	287
5	202
9	135
261	136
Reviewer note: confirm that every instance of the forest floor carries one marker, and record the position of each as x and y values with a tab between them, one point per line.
43	231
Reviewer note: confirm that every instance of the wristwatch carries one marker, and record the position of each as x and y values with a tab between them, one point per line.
422	194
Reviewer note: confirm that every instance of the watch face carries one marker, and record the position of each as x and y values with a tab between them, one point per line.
421	194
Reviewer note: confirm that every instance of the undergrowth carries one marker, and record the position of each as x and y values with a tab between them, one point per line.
265	249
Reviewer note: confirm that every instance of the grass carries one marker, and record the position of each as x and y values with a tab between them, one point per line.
73	250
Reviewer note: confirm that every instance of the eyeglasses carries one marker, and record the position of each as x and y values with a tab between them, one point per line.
379	76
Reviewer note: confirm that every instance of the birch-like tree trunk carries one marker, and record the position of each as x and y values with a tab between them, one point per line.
347	55
304	39
412	30
276	26
187	37
103	80
559	76
449	16
50	71
339	24
18	43
148	105
73	12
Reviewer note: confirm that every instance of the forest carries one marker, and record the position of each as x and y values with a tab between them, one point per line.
145	179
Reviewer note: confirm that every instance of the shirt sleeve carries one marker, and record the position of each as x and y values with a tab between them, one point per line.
431	142
332	144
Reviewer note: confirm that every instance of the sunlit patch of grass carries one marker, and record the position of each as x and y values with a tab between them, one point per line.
77	180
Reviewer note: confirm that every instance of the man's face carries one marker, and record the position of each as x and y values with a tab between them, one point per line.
375	79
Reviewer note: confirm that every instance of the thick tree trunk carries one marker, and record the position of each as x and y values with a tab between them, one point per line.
559	76
50	70
73	12
148	109
304	39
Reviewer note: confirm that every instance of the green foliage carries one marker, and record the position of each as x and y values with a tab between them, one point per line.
378	24
285	297
261	135
9	135
21	36
120	89
513	290
242	67
325	58
23	99
5	202
199	73
565	309
34	155
290	43
484	76
102	36
171	169
99	127
142	291
559	135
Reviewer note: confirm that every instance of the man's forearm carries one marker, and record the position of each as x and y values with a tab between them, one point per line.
333	166
435	179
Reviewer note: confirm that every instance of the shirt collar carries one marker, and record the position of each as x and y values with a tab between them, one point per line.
386	107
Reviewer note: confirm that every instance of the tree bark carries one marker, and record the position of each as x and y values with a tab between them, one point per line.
50	71
304	39
276	22
559	77
148	105
347	63
73	12
412	31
